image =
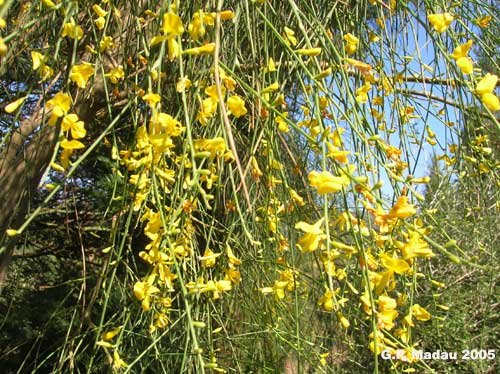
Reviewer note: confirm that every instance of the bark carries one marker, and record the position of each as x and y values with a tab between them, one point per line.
22	164
30	148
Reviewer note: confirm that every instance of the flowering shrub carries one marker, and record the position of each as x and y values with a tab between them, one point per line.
269	157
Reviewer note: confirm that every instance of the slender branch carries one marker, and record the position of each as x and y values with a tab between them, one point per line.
224	113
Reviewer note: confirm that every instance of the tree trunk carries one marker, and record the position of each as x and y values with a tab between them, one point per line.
22	164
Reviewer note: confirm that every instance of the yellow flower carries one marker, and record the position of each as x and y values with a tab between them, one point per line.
100	22
256	172
236	106
483	21
215	146
108	335
337	154
385	319
402	209
233	260
116	74
197	28
343	320
208	108
487	84
152	99
465	65
325	182
209	258
38	59
490	101
13	106
372	37
71	144
362	93
157	40
71	122
80	74
206	49
3	47
386	303
118	363
327	301
296	197
173	49
309	51
226	15
99	11
106	43
351	43
289	35
485	89
144	290
462	50
65	160
49	3
394	264
72	30
172	25
282	125
271	66
11	232
271	88
415	247
166	124
420	313
313	236
460	55
183	84
440	22
59	105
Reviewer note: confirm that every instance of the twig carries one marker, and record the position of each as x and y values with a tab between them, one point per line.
225	118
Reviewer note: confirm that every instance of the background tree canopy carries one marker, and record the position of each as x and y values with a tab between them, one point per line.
248	186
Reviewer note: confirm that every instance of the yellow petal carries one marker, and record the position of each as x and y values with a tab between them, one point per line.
49	3
12	107
99	11
101	343
465	65
172	24
311	229
490	101
100	22
57	167
271	66
486	84
157	40
11	232
420	313
236	106
271	88
37	59
397	265
71	144
309	51
80	74
226	15
3	47
111	334
206	49
462	50
325	182
440	22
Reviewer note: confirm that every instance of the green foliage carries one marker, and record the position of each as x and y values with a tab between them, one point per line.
234	186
